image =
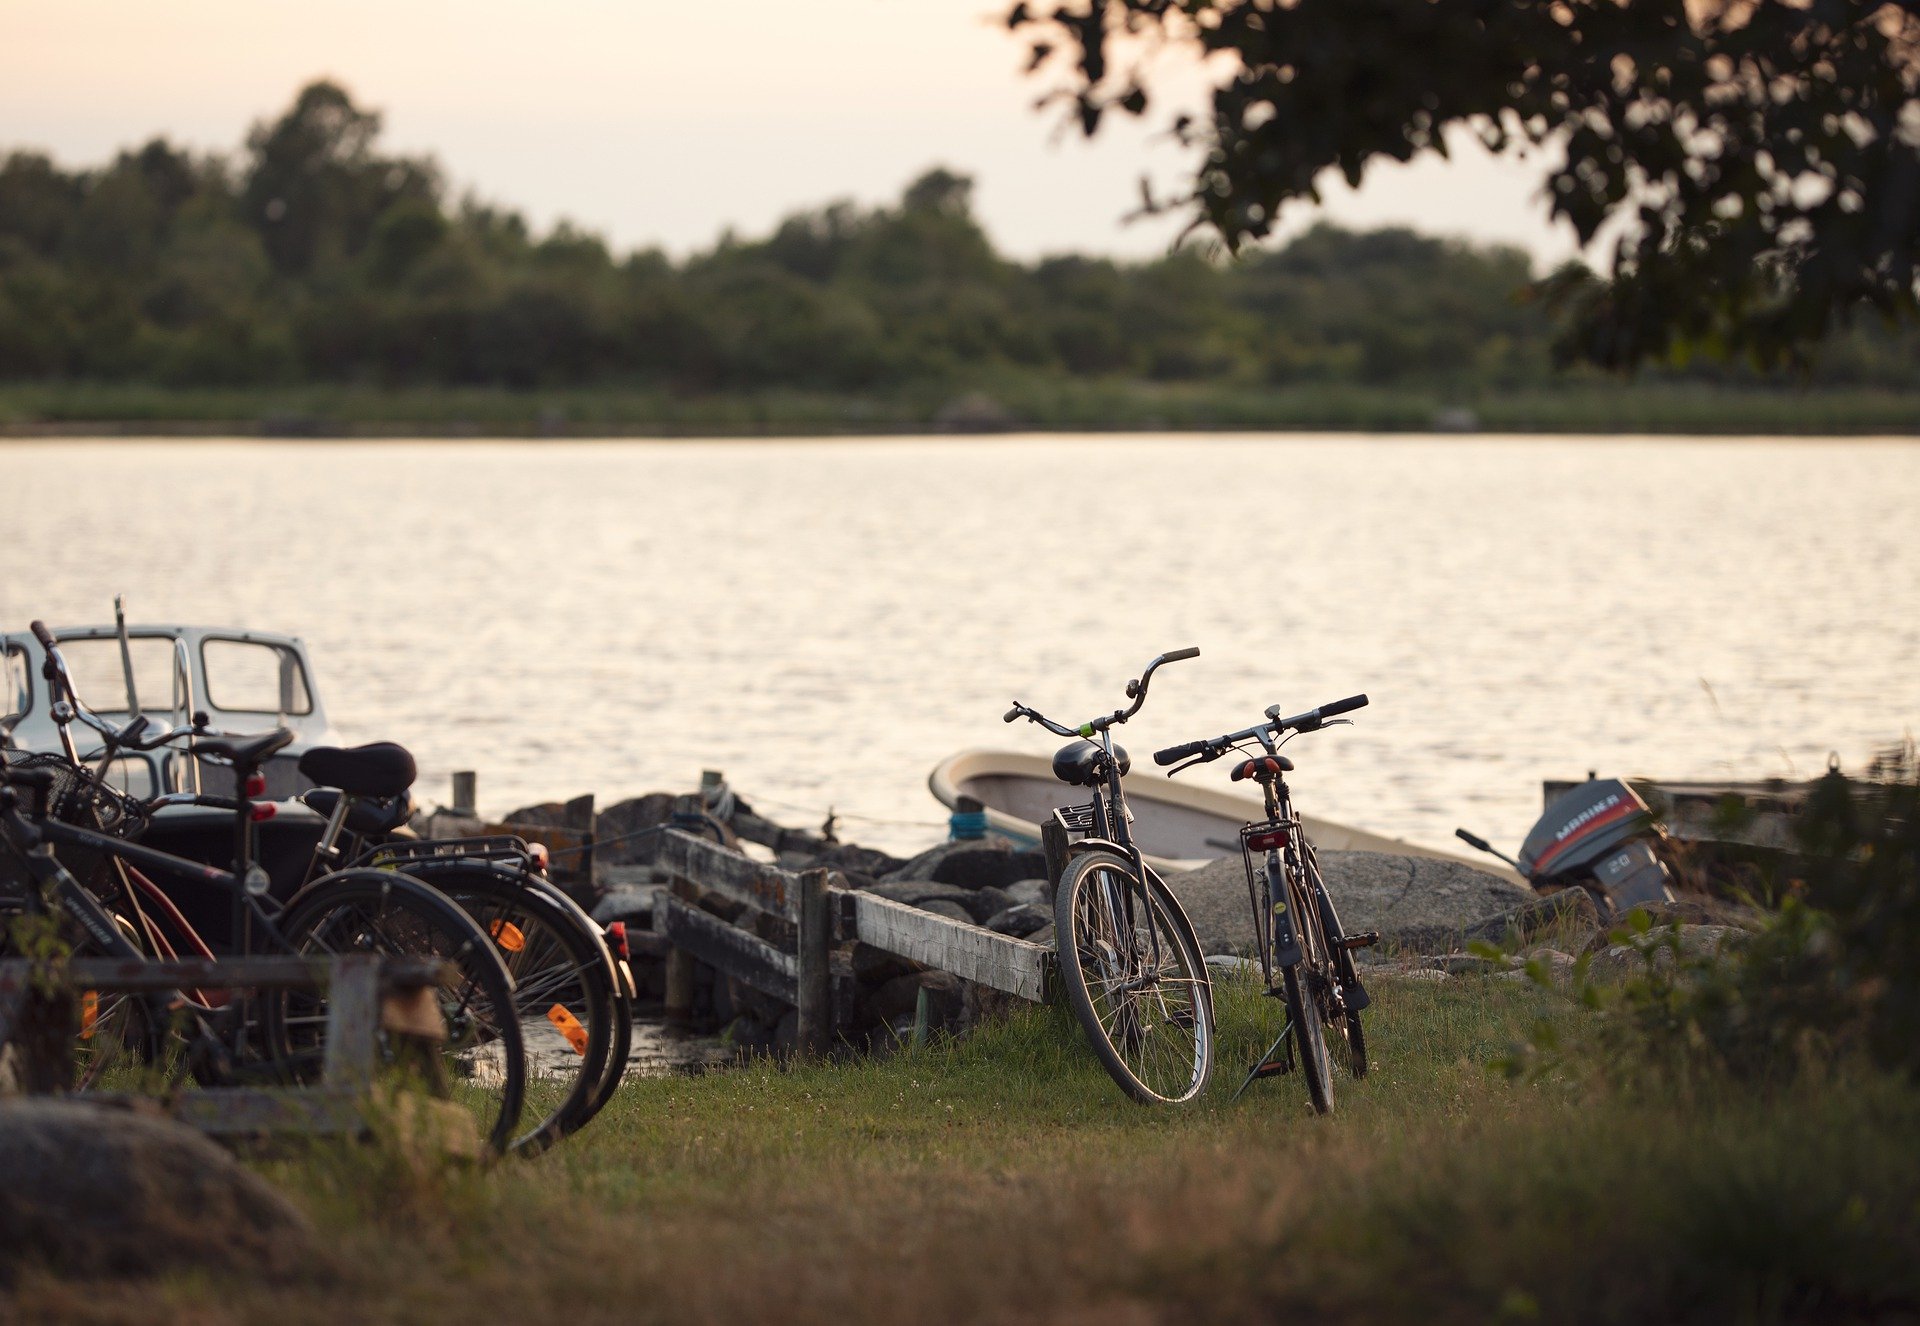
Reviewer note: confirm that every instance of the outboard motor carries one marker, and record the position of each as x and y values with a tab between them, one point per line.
1599	836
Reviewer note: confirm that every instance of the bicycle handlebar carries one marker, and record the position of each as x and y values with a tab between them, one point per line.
1212	748
1136	691
43	635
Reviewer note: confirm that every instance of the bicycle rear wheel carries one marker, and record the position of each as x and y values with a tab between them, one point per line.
563	990
1135	979
1301	981
384	912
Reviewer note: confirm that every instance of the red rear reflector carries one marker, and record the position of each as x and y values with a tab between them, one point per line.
263	810
256	784
617	939
1267	840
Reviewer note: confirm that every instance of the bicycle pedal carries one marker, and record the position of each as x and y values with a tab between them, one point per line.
1271	1068
1365	939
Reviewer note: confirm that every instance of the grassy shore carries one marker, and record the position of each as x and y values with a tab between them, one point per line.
1004	1179
1071	405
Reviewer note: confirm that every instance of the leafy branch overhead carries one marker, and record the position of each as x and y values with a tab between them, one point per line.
1753	165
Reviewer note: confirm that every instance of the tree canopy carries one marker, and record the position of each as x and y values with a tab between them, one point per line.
313	256
1760	158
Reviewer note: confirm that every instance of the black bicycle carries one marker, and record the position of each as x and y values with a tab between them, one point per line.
1129	959
53	802
1296	926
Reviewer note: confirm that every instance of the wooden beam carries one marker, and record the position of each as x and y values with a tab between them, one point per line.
969	952
353	1017
734	952
814	963
251	973
712	867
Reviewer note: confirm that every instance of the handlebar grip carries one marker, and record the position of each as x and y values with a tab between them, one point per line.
43	635
1191	651
1345	706
1473	840
1174	754
1011	714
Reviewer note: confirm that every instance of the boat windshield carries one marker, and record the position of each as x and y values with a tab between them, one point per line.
101	682
254	677
16	682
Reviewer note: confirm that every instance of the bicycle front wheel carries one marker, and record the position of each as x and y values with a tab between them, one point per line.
483	1058
1135	979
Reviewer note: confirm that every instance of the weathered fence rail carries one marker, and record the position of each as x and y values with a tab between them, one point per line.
789	927
367	994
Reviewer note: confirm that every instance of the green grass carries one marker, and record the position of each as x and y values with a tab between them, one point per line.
1577	405
1004	1178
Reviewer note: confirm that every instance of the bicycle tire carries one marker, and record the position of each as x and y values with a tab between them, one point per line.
382	911
561	974
1349	1037
1128	1045
1303	1004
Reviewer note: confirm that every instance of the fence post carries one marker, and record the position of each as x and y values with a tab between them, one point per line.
815	970
353	1020
466	791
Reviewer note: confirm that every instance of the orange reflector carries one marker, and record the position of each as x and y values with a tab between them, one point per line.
89	1013
508	935
569	1027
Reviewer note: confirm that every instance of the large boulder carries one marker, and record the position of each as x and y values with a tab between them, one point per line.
90	1190
1416	901
927	865
621	831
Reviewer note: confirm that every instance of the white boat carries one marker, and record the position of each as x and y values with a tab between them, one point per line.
1179	826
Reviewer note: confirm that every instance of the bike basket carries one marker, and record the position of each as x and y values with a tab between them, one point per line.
1075	819
73	800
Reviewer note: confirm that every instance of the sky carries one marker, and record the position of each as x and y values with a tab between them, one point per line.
664	124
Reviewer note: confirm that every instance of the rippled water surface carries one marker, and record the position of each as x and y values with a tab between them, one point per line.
825	620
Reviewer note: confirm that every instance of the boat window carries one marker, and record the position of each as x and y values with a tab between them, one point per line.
101	681
253	677
16	682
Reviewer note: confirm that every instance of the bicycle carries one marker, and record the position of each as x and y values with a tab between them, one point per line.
348	911
1312	954
574	993
1129	960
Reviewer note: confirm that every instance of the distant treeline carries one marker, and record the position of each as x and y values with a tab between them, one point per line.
312	257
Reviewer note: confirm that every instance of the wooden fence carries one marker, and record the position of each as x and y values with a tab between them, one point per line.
367	994
790	928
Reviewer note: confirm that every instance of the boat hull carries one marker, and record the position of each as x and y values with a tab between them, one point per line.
1179	826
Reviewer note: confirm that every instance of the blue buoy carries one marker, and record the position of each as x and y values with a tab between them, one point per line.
964	825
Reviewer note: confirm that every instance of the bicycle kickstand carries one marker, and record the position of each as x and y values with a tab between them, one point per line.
1267	1065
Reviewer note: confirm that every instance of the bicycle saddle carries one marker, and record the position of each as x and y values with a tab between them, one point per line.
244	752
1081	763
377	769
1262	767
369	815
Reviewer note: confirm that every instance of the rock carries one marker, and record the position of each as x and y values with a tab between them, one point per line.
917	892
1558	966
989	869
1463	964
1571	913
630	903
546	815
898	999
90	1190
852	859
1417	975
620	831
1044	937
1417	901
1020	920
951	910
1225	964
1031	891
1710	941
1699	910
923	865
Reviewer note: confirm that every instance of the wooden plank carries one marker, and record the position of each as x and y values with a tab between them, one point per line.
734	952
814	964
260	973
969	952
712	867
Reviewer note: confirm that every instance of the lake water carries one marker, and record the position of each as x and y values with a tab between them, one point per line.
823	620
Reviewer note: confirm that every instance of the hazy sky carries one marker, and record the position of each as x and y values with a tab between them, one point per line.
659	123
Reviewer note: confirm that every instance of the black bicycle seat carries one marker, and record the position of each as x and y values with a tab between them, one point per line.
1262	767
244	752
377	769
1082	763
369	815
